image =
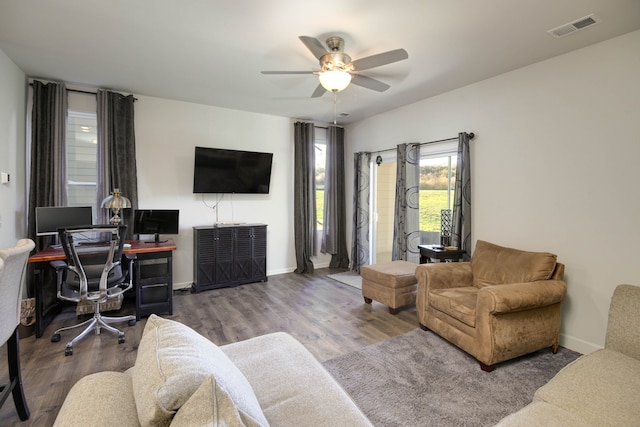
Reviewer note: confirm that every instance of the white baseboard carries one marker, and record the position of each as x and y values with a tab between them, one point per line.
576	344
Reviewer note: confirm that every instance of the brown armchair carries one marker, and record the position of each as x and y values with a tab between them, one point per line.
503	304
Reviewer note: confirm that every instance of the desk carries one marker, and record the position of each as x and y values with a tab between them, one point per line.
139	251
427	253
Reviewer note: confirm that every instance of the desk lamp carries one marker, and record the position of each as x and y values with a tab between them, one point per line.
115	202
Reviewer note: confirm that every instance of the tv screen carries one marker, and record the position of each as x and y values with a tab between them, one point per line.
49	219
156	221
231	171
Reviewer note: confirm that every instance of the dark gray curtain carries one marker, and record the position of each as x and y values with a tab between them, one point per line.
461	227
334	230
304	196
406	221
116	153
48	165
361	211
47	169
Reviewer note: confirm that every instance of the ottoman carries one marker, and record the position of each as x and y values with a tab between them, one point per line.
391	283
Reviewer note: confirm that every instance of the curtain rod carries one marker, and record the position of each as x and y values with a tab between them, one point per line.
455	138
88	92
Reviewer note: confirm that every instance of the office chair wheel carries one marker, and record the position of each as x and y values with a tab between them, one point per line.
68	351
132	322
55	338
120	339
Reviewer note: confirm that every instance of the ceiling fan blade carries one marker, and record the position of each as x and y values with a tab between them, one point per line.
369	83
314	46
288	72
379	59
320	90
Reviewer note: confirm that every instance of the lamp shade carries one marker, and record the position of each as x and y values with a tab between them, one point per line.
335	80
116	201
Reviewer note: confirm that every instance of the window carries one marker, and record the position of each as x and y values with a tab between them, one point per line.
320	166
82	154
437	184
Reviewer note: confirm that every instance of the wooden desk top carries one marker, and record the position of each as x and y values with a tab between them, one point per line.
137	247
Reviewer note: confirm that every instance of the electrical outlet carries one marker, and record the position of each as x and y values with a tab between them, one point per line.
4	177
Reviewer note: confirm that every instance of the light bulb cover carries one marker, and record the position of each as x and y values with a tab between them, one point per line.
335	80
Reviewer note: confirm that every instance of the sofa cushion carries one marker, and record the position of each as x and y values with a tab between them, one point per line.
459	303
292	386
172	362
601	388
210	405
497	265
84	405
541	414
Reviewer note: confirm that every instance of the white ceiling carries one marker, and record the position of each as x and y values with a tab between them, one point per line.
212	51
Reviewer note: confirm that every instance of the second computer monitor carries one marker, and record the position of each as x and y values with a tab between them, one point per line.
156	222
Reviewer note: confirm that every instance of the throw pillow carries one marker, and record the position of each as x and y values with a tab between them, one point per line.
211	405
173	361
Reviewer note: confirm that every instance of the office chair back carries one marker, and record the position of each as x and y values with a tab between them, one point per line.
13	262
93	273
93	265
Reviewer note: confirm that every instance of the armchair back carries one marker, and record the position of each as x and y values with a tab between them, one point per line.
496	265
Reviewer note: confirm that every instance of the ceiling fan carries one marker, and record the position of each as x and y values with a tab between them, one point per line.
337	69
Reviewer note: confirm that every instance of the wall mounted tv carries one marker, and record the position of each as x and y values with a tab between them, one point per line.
231	171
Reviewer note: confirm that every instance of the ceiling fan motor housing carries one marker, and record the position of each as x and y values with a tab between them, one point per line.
336	61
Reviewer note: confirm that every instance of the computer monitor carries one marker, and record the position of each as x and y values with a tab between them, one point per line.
156	222
49	219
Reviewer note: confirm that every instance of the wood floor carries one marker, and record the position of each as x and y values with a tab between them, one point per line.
328	317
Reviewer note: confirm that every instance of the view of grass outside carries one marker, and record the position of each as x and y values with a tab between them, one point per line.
431	202
434	185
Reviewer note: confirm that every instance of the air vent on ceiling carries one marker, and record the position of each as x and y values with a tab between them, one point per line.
572	27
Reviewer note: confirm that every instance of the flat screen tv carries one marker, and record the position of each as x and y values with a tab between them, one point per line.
156	222
49	219
231	171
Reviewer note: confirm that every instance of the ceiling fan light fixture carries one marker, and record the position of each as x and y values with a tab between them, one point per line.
334	80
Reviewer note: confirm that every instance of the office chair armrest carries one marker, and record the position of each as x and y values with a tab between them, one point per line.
58	265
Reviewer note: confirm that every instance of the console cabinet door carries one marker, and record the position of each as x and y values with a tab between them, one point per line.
204	258
259	253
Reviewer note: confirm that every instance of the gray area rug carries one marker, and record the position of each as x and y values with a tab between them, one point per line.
350	278
419	379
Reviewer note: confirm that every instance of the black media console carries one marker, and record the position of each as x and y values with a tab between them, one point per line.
229	255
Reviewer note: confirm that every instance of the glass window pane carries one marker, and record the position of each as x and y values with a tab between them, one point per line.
437	183
321	156
82	153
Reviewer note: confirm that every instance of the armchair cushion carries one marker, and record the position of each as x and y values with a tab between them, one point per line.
496	265
459	303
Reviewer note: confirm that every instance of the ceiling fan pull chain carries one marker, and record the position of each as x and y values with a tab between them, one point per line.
335	108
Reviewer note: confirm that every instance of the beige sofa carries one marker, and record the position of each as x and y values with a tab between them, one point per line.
503	304
181	378
598	389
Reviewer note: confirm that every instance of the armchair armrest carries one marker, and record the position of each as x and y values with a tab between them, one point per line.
521	296
444	275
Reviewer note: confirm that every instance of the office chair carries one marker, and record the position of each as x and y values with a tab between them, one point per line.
13	263
92	274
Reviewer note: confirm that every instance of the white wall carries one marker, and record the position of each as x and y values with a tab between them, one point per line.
555	167
12	152
167	132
